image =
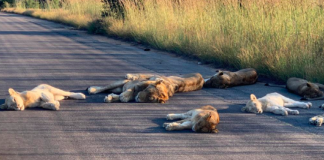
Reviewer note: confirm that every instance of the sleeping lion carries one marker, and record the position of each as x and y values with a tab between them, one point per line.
148	87
203	119
43	95
225	79
306	89
275	103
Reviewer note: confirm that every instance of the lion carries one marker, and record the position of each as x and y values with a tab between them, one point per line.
308	90
204	119
225	79
43	95
148	87
275	103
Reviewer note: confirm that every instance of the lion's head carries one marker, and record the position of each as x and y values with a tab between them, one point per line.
311	91
154	93
253	105
14	101
219	80
207	123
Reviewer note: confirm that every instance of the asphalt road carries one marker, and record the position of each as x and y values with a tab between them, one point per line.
34	51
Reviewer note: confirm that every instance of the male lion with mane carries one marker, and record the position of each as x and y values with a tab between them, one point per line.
204	119
43	95
275	103
225	79
148	87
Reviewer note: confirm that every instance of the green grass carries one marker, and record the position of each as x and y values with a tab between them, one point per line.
278	38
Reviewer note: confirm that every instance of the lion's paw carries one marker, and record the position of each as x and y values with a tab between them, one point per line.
78	96
316	120
294	112
169	117
108	99
131	77
93	89
285	113
309	105
171	126
165	124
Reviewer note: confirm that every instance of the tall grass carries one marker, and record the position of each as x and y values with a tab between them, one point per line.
278	38
78	13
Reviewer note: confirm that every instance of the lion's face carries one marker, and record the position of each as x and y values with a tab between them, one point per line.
312	91
206	124
253	106
219	80
154	93
14	101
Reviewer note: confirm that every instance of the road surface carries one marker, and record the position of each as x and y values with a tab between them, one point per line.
35	51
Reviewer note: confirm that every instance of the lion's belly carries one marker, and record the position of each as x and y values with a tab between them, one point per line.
269	101
32	99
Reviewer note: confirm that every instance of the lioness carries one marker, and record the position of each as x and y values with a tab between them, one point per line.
224	79
149	88
43	95
203	119
308	90
275	103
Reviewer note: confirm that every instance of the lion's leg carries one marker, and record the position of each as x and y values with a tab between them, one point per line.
54	105
139	76
179	126
277	110
298	104
59	92
49	102
59	97
117	90
173	116
317	120
292	112
111	98
181	121
98	89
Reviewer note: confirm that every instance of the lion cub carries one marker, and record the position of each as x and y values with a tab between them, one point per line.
43	95
275	103
203	119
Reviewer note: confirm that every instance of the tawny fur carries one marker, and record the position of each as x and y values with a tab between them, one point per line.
275	103
43	95
148	87
225	79
204	119
306	89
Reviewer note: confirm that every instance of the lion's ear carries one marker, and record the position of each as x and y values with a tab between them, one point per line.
220	73
253	97
12	91
308	84
3	106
